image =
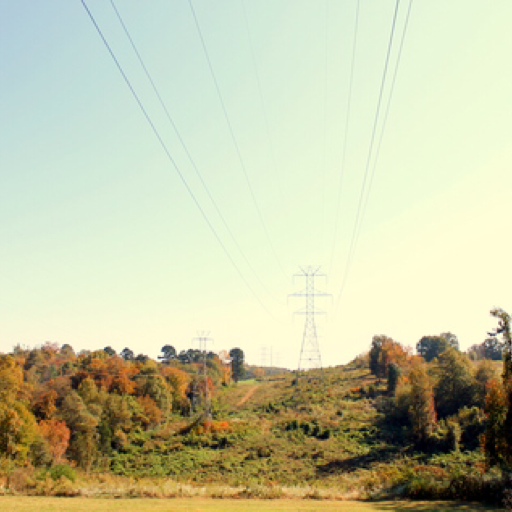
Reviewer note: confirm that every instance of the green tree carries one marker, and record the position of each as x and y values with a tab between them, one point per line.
155	387
451	339
168	353
430	347
237	363
375	356
394	373
504	329
493	349
142	358
455	385
127	354
84	436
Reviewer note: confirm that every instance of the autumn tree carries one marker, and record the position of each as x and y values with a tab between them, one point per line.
119	375
422	409
178	382
258	372
57	434
17	424
155	387
44	403
498	400
225	365
18	430
495	411
67	351
152	414
383	352
484	374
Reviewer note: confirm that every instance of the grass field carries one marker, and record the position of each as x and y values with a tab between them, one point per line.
26	504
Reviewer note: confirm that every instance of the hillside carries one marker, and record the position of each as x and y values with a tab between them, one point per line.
141	425
325	434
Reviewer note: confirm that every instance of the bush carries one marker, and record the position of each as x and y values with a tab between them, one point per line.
62	470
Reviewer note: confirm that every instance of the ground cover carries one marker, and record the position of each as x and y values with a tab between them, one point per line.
29	504
321	438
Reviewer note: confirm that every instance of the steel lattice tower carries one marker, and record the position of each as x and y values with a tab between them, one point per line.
310	357
203	338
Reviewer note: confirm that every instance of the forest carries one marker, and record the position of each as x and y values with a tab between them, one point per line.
431	425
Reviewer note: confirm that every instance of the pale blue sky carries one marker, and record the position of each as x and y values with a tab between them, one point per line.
100	243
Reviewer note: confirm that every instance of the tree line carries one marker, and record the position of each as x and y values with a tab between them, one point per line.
56	405
447	398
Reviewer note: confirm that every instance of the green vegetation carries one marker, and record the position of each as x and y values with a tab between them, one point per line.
387	425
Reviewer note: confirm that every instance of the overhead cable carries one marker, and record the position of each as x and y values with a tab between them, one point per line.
262	101
184	146
169	156
234	139
345	139
355	231
387	111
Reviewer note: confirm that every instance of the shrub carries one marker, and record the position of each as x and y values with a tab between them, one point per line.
62	470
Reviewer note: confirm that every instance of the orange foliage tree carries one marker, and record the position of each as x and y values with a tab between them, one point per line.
152	415
385	351
57	435
495	411
178	381
422	410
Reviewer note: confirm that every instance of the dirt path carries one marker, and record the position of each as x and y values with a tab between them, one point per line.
247	396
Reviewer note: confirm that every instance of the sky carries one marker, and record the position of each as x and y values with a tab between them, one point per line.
102	244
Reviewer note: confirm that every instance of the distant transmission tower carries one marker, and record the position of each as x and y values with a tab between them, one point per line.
310	357
203	338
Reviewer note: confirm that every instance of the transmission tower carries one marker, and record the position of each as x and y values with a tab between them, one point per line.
267	357
203	339
310	357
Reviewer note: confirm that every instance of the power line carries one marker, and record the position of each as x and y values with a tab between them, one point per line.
169	156
232	133
345	137
184	146
263	106
324	127
355	232
387	110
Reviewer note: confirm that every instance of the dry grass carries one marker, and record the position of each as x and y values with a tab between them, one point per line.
28	504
